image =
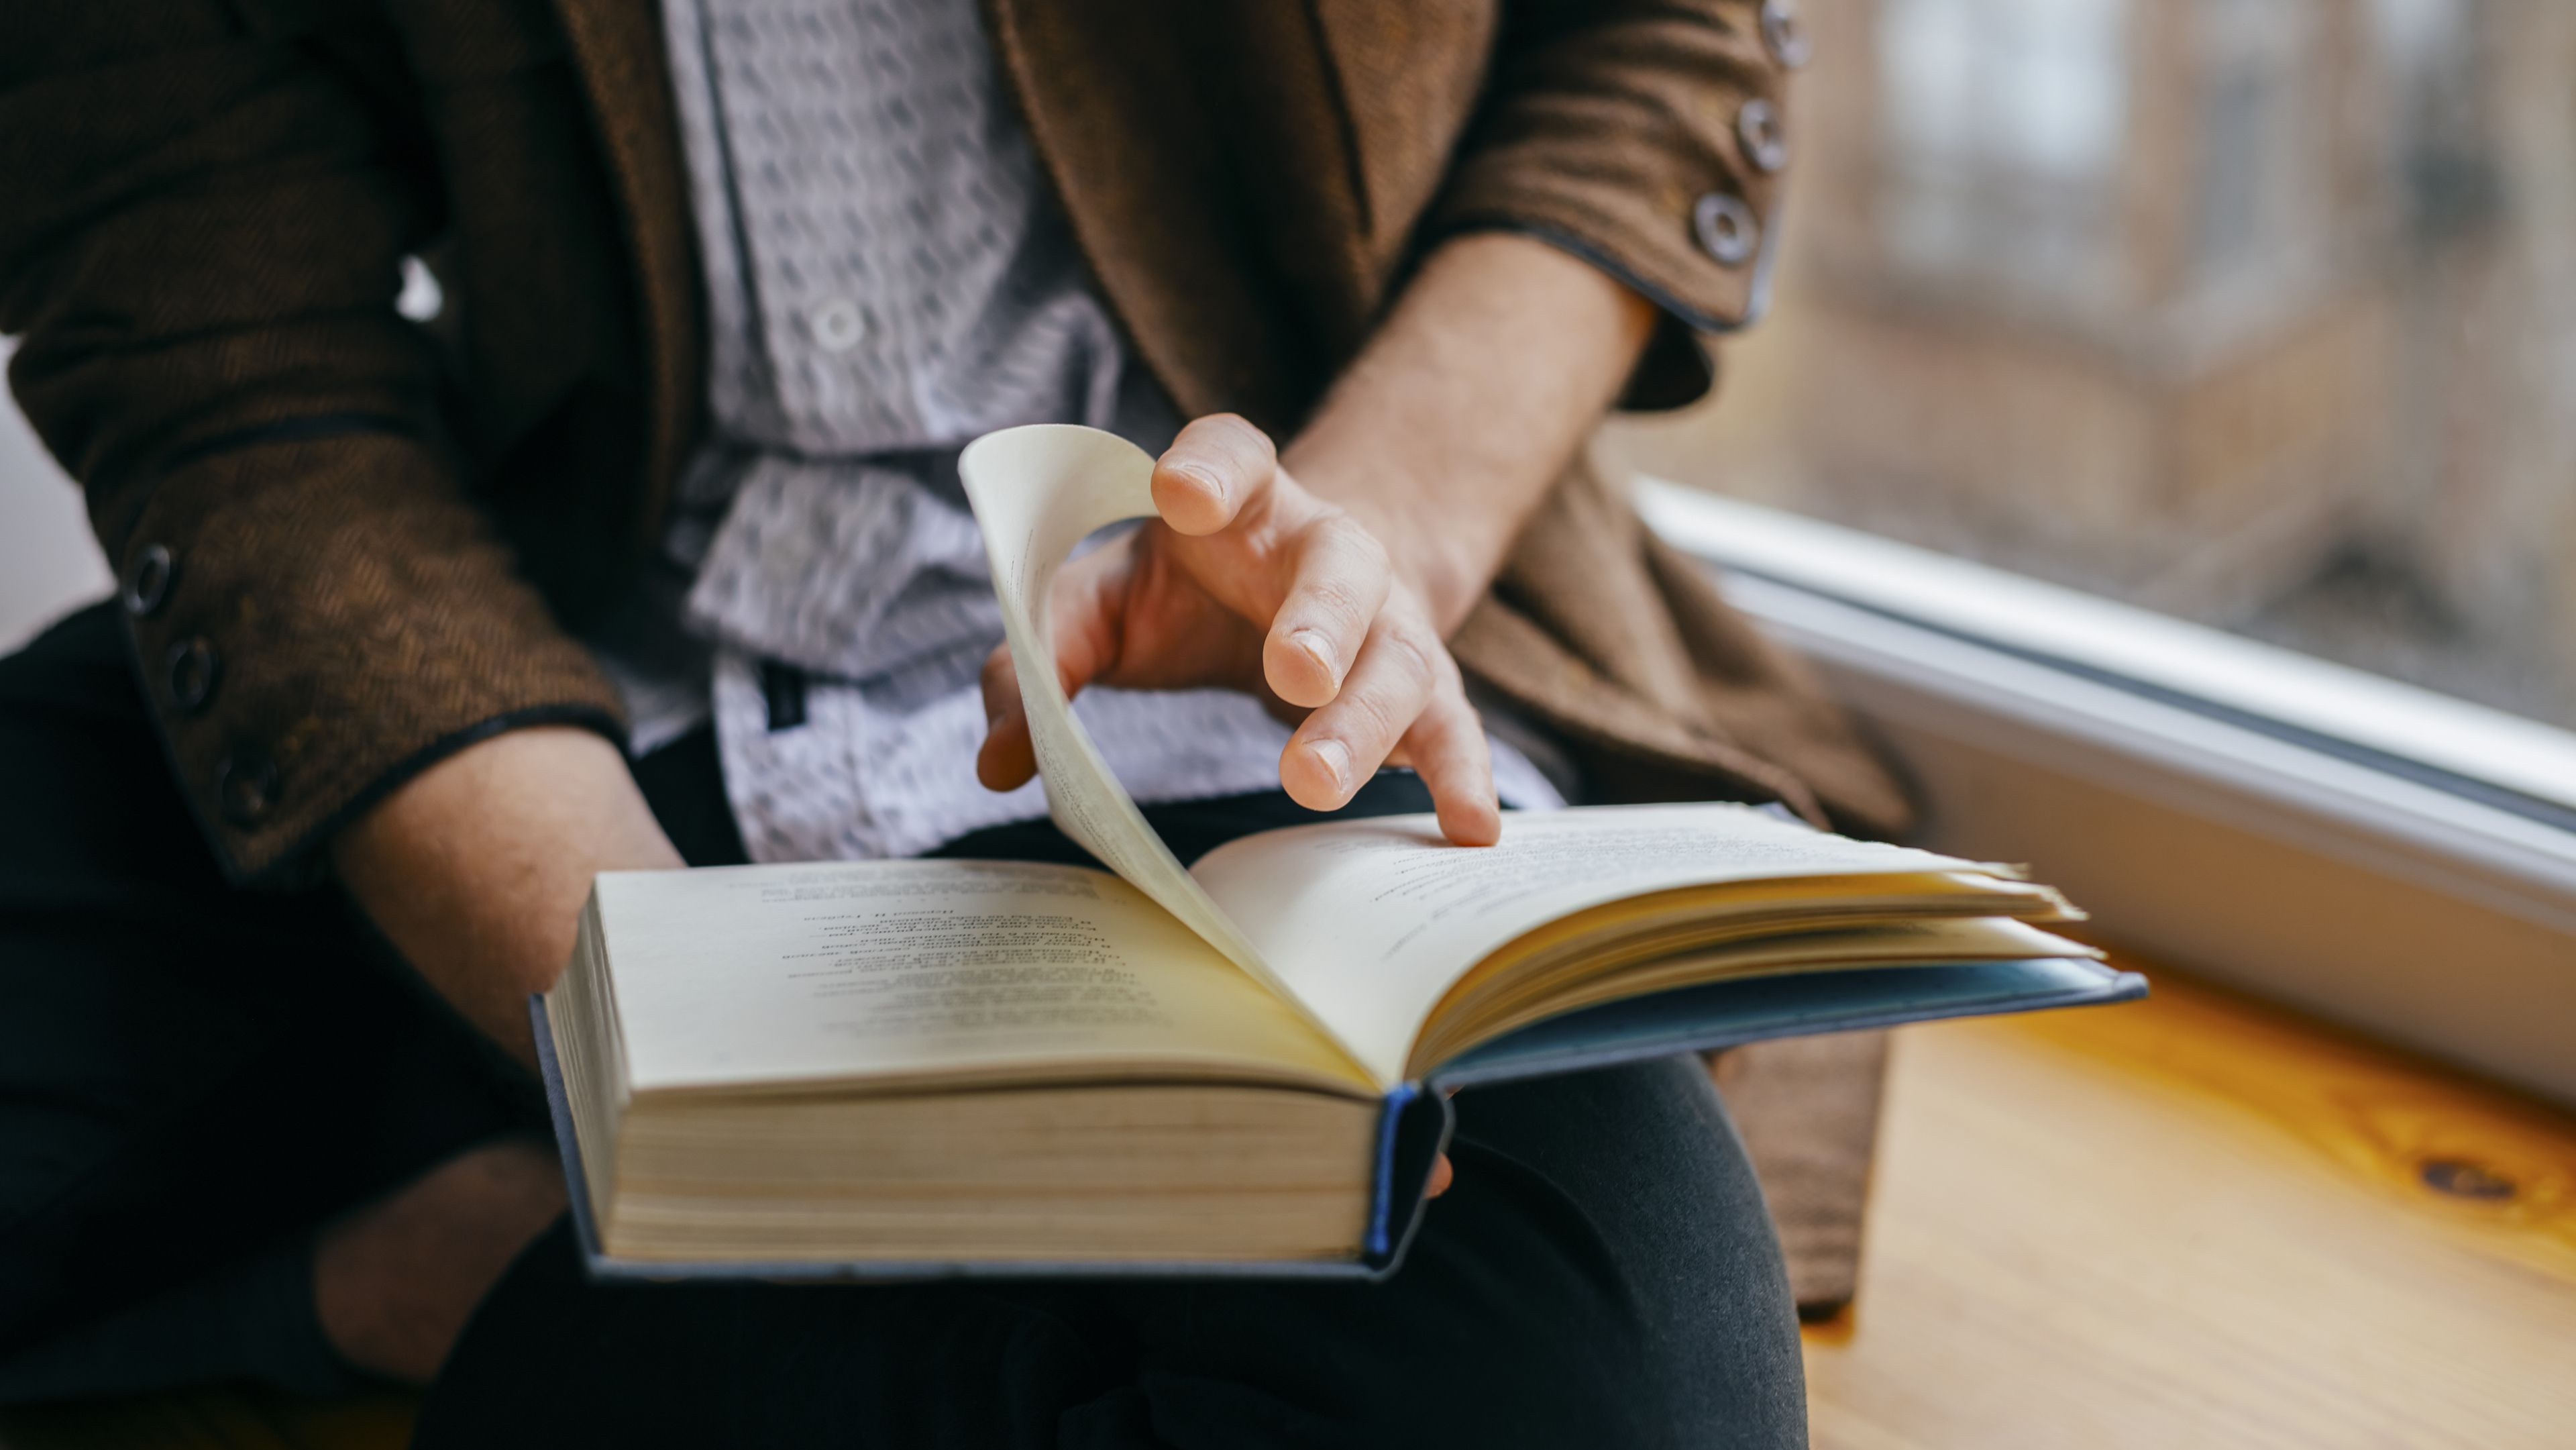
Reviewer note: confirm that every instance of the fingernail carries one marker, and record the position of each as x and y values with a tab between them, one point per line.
1204	479
1335	757
1318	649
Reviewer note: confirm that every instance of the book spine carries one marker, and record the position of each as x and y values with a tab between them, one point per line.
1382	1203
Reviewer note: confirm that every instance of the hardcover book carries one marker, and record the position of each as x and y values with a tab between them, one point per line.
895	1069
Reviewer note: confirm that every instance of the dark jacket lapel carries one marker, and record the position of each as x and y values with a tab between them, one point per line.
1129	120
1234	293
617	48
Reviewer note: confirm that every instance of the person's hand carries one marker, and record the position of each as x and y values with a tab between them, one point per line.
1249	582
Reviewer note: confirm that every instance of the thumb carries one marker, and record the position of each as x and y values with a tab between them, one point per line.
1008	756
1083	617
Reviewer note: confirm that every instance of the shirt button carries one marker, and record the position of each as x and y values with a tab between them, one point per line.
838	325
1784	35
245	786
189	670
1757	130
1726	228
147	580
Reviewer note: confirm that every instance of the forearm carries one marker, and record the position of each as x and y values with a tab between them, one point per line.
1494	367
477	868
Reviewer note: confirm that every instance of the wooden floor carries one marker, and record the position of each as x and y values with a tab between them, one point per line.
2192	1222
2186	1222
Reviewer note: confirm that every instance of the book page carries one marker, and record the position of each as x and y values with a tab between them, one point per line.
1370	921
935	971
1038	491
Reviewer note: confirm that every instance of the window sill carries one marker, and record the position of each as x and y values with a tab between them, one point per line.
2378	854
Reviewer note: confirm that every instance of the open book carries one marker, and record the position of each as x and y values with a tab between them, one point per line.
911	1067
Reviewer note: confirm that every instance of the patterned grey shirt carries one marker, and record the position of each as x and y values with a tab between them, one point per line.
887	278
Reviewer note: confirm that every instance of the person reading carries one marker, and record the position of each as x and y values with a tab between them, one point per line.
629	535
925	1068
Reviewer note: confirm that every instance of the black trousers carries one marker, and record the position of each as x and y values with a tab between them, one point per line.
194	1079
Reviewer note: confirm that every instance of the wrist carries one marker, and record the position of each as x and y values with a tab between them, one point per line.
1443	436
1441	569
1446	561
476	869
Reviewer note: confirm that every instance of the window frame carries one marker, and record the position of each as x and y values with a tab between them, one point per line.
2378	854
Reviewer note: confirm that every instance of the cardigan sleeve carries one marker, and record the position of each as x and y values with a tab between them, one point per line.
206	210
1645	136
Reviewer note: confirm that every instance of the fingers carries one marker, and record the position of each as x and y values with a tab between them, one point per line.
1217	467
1339	587
1242	544
1343	743
1446	747
1442	1175
1220	483
1008	756
1403	691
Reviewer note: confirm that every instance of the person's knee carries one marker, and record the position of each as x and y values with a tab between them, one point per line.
1602	1274
1645	1343
1620	1229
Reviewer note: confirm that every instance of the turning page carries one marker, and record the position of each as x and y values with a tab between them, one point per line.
1361	926
1038	491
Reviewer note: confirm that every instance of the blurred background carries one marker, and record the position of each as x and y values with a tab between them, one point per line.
2257	312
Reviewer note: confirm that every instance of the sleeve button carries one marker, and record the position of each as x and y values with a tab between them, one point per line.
1726	228
245	786
1784	35
1757	130
147	580
189	671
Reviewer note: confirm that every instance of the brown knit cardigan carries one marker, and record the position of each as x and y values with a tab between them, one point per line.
352	544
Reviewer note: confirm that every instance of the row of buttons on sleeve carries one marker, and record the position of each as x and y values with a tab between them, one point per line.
246	786
1727	228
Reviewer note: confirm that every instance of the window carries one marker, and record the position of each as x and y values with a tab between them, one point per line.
2255	312
2253	169
2002	125
2165	439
